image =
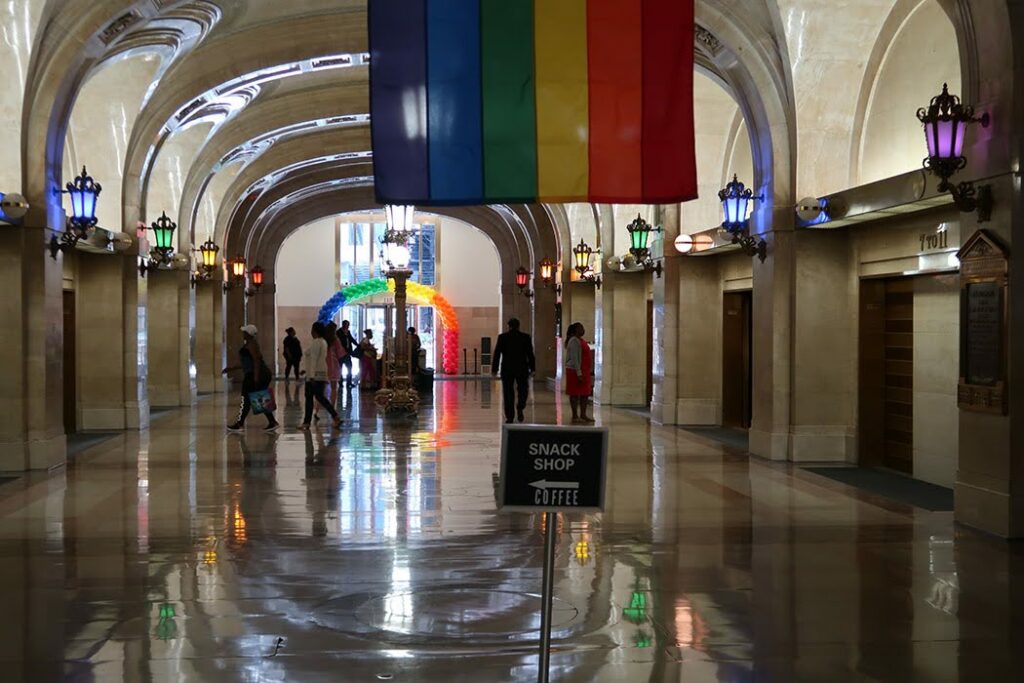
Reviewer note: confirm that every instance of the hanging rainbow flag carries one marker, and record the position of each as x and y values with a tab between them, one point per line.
485	101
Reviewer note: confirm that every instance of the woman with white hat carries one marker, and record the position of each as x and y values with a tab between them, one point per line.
256	376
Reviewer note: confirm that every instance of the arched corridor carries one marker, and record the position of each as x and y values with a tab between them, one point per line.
796	317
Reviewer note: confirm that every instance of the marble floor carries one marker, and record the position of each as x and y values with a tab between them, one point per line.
185	553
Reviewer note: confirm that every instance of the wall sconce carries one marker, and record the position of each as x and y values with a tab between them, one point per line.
945	123
639	236
581	254
736	200
84	193
235	272
255	281
547	274
523	279
162	252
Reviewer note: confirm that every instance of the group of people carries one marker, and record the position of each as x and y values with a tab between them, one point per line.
332	349
325	363
514	360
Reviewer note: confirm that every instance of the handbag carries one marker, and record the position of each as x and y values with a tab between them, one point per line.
263	401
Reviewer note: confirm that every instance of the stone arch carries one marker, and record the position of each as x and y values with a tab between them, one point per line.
891	45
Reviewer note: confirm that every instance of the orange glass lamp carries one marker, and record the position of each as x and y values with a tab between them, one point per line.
547	271
256	277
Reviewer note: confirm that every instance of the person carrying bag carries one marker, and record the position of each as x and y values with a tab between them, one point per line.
257	396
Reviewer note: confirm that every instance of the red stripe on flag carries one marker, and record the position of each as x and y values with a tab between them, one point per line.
615	62
669	158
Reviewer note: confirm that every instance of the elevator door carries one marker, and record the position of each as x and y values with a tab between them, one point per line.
887	374
70	371
737	378
899	375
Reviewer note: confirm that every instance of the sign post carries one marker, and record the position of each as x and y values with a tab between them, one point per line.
552	469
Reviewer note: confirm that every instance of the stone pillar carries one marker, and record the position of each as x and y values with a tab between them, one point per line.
772	334
699	388
234	318
108	344
544	341
666	324
170	324
32	431
824	339
209	336
263	314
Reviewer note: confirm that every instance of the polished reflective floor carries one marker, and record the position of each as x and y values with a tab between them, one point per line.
376	553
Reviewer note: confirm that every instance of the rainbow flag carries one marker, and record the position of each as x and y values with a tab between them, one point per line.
486	101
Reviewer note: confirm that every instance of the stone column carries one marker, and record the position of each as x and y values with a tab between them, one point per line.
170	323
824	349
234	318
772	334
209	336
699	388
666	324
108	344
32	431
544	341
263	314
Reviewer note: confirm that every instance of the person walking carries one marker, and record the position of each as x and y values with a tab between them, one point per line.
368	362
316	376
514	354
256	376
579	372
348	342
292	353
414	351
336	354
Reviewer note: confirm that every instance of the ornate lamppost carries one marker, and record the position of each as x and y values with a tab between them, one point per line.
736	200
398	394
84	192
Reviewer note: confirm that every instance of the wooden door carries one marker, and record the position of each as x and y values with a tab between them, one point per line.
899	375
70	369
737	375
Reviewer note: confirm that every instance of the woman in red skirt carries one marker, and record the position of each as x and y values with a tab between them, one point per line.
579	372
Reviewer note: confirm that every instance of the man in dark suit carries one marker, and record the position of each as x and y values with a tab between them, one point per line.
514	354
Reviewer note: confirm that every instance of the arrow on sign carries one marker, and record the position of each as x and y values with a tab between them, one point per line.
545	484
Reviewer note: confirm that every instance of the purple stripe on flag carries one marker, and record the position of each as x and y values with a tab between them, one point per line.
398	100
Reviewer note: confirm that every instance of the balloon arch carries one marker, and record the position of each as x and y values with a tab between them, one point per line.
422	294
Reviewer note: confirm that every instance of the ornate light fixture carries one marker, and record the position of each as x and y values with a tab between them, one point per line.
84	192
736	200
162	252
945	123
255	281
207	266
639	237
547	273
522	280
581	255
234	272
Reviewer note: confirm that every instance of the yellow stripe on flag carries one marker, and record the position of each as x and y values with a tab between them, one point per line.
562	100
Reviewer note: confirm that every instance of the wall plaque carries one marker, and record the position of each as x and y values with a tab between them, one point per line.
984	269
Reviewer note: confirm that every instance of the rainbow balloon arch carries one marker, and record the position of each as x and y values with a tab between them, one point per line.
422	294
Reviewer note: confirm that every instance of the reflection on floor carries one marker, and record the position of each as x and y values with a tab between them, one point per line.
376	553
